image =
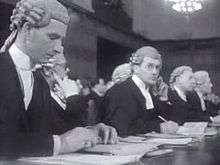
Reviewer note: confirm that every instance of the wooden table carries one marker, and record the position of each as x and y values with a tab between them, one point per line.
206	152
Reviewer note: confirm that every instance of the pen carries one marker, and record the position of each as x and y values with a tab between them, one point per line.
162	118
98	153
211	118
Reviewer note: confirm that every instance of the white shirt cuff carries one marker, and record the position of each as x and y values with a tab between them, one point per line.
71	94
57	144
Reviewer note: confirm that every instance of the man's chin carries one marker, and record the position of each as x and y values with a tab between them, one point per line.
190	90
152	82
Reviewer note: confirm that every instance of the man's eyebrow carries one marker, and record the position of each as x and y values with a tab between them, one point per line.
151	63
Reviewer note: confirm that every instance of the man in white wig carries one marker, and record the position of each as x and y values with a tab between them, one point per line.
130	106
203	89
38	27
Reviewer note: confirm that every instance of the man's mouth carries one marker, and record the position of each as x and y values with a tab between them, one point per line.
50	55
154	78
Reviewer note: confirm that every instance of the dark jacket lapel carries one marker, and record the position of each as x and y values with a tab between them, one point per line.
11	100
10	84
138	96
175	99
39	107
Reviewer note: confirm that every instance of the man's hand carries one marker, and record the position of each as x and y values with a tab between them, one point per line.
79	138
216	119
163	91
69	87
107	134
76	139
160	89
169	127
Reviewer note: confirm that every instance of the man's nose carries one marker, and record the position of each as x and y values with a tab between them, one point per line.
193	81
155	70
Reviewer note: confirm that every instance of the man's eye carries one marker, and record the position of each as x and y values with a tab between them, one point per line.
158	67
53	36
150	66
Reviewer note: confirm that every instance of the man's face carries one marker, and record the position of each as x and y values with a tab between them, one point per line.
206	87
101	88
187	81
43	43
149	70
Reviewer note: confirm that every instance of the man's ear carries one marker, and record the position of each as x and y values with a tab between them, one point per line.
27	31
178	79
26	26
136	69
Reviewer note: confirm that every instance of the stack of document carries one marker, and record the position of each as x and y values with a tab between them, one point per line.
171	139
83	159
178	141
211	131
193	129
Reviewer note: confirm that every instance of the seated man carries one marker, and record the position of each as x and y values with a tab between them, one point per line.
182	97
203	89
129	106
95	98
26	113
121	73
